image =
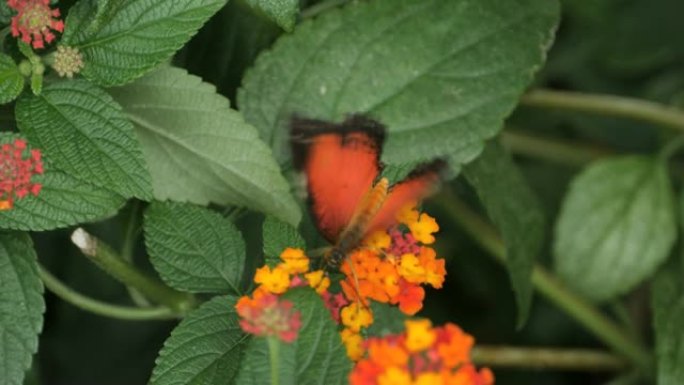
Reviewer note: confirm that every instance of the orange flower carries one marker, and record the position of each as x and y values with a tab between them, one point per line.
416	358
275	280
454	345
410	297
435	269
468	375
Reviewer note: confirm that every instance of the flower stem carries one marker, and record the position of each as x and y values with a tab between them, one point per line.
547	358
274	354
607	105
102	308
582	311
105	258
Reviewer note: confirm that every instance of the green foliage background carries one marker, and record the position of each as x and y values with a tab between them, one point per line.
445	76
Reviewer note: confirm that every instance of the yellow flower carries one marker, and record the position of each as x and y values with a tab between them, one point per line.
407	214
354	344
419	335
377	240
354	316
294	260
423	228
395	376
429	378
411	269
275	281
318	281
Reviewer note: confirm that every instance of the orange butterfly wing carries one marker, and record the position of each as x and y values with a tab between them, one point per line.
341	161
420	183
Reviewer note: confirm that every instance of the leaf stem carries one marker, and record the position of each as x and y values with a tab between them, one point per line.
274	354
553	150
105	258
607	105
550	287
102	308
547	358
131	232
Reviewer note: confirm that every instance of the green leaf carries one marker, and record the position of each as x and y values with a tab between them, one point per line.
122	40
387	319
21	306
513	207
63	201
279	235
83	132
36	83
667	300
193	248
205	348
11	80
317	356
442	87
283	12
199	150
616	226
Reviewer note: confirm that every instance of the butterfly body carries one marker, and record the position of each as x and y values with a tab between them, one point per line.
348	197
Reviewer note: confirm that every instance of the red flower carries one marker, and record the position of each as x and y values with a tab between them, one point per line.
17	166
266	315
34	21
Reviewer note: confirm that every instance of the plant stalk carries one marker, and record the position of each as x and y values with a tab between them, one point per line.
547	358
274	354
607	105
104	257
102	308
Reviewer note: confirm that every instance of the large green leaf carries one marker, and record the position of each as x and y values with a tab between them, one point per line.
205	349
278	236
122	40
442	75
200	150
283	12
83	132
668	320
616	226
317	356
11	80
21	306
515	211
63	201
193	248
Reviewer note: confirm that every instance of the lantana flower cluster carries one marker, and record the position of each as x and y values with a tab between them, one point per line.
265	313
422	355
389	267
18	165
35	21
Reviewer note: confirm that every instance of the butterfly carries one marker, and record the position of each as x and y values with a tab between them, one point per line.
348	196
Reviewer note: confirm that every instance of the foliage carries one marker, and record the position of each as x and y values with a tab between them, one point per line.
154	136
